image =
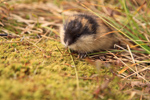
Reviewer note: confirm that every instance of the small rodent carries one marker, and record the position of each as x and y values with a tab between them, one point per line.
86	33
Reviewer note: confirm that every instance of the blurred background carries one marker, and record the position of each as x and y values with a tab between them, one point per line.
34	65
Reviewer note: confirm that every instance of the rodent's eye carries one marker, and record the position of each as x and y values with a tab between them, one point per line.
78	35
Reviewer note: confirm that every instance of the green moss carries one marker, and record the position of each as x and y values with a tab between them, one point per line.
27	74
45	70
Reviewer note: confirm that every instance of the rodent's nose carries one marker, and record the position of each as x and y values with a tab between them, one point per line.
66	44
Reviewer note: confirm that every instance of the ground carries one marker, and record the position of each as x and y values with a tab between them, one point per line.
34	65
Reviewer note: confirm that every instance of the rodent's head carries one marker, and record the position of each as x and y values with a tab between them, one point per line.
77	27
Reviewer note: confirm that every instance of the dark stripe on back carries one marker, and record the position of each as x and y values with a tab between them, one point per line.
92	21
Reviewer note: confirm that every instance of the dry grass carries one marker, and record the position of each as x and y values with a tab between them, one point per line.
34	64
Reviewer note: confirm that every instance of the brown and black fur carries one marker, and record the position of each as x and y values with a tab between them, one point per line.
87	33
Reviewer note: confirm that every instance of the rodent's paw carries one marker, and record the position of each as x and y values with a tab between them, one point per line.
82	55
